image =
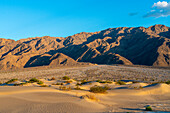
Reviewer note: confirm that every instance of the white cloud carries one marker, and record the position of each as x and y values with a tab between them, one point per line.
159	9
160	4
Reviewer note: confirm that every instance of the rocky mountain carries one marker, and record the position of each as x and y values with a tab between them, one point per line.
123	45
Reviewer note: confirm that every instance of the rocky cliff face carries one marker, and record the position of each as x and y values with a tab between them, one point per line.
123	45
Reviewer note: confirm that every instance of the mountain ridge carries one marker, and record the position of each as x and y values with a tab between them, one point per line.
123	45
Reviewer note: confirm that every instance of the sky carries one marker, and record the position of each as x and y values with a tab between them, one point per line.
61	18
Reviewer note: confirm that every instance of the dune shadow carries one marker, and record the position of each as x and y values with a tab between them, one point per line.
121	88
150	85
138	109
7	84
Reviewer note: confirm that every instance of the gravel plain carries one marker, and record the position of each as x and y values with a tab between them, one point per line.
107	72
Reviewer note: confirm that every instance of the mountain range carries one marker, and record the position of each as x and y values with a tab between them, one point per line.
123	45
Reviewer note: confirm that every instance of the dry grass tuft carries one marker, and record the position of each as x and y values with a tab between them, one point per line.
90	97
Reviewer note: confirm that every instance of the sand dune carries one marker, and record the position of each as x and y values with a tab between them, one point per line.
36	99
122	98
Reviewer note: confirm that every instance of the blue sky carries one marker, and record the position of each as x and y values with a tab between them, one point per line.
30	18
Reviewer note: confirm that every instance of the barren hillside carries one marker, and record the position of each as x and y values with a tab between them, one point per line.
123	45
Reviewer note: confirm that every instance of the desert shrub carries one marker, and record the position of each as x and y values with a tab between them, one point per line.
57	83
135	82
40	82
97	89
106	87
84	81
89	96
44	85
148	108
77	88
33	80
120	82
53	78
139	87
66	78
167	82
104	81
16	84
23	83
68	81
78	84
98	80
65	88
10	81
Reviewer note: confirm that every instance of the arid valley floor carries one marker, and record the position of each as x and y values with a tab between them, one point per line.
70	89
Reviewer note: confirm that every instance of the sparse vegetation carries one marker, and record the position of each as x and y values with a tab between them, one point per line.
33	80
78	84
89	96
53	78
77	88
148	108
138	87
84	81
65	88
40	82
135	82
57	83
16	84
167	82
66	78
120	82
44	86
10	81
23	83
98	89
68	81
106	87
104	81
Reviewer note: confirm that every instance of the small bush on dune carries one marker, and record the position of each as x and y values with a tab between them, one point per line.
135	82
106	87
98	80
78	84
98	89
16	84
40	82
23	83
65	88
10	81
120	82
33	80
68	81
104	81
89	96
139	87
44	86
53	78
77	88
66	78
148	108
84	81
57	83
168	82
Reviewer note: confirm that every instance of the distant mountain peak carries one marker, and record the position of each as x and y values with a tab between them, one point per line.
122	45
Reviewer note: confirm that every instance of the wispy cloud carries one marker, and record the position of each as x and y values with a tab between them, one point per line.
159	9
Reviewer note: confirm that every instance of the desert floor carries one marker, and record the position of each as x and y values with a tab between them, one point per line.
142	86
